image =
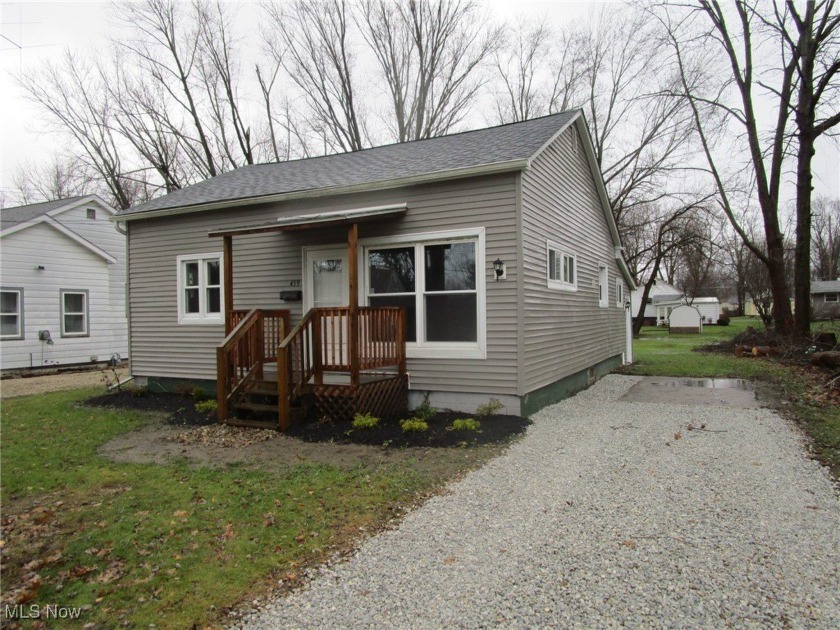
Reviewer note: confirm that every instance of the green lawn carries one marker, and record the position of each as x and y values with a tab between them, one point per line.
657	353
170	545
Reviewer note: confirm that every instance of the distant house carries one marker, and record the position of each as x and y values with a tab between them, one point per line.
825	299
62	293
664	298
454	269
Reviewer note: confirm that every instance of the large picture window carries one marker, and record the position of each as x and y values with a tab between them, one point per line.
11	314
74	313
200	289
440	286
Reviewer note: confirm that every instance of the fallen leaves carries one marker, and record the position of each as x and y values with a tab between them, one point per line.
223	435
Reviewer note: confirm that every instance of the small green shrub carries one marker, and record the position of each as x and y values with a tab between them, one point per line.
723	320
198	394
364	421
136	392
465	424
206	406
414	424
491	408
425	411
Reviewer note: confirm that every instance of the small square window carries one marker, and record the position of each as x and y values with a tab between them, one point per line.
830	297
91	213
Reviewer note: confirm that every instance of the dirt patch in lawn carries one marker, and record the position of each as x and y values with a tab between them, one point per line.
180	410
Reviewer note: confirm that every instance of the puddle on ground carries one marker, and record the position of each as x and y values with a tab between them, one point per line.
707	383
724	392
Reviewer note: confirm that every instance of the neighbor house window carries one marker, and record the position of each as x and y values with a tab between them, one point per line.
91	213
562	268
74	313
603	289
830	297
440	285
619	293
200	289
11	314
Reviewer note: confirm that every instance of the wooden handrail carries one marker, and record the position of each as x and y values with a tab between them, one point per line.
242	354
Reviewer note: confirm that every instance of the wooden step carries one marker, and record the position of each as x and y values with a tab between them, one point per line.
256	407
263	388
253	424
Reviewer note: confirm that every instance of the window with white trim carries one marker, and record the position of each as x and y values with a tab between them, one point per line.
440	284
11	314
830	297
619	293
74	313
603	287
200	295
562	268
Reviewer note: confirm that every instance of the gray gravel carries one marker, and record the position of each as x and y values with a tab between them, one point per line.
599	517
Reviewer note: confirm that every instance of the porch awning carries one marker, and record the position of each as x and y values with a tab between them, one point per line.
319	220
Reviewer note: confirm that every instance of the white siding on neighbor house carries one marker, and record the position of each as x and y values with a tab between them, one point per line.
67	265
564	332
265	264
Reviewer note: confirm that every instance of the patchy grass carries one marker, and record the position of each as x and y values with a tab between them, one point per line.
170	545
801	389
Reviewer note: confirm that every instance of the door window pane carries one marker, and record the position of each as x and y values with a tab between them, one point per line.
391	270
327	282
450	267
408	303
451	317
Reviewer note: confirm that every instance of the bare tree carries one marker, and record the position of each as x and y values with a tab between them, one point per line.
76	101
702	33
312	41
826	239
811	40
60	178
430	53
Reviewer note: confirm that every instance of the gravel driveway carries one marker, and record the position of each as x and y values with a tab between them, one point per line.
601	517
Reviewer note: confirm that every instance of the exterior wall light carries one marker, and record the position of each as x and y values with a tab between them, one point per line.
499	268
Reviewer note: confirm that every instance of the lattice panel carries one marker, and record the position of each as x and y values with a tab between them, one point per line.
384	398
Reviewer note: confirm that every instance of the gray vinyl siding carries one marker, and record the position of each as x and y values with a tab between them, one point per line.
265	264
565	332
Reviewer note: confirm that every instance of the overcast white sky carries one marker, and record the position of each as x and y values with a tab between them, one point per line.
35	32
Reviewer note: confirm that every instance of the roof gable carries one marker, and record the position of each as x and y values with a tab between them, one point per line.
21	217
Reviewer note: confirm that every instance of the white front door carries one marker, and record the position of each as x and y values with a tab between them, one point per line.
325	277
326	284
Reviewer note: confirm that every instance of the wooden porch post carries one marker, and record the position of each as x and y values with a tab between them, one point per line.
353	280
228	281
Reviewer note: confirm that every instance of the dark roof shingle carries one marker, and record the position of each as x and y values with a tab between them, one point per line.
10	217
468	149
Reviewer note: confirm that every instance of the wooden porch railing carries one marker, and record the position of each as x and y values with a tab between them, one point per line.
321	343
252	341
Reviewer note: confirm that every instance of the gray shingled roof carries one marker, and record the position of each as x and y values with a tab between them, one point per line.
10	217
825	286
422	157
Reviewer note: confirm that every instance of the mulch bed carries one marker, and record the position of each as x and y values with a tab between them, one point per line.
493	430
181	409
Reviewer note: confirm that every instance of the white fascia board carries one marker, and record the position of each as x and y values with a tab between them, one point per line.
554	137
79	239
472	171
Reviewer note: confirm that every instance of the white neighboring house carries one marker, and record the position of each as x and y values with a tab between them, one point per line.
62	283
664	298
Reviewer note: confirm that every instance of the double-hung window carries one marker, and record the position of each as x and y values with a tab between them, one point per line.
603	287
200	296
562	268
11	313
440	284
74	313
